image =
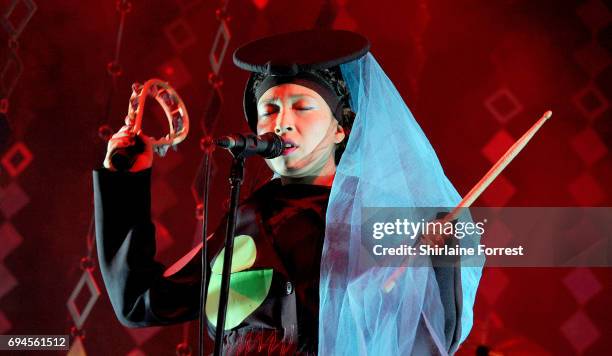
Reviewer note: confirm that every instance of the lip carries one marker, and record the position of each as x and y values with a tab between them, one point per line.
288	151
288	141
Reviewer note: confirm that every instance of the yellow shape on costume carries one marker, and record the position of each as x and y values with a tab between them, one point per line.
243	257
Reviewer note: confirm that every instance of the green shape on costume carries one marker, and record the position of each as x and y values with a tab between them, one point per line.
243	257
248	289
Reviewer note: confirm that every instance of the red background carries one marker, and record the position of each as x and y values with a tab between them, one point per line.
475	73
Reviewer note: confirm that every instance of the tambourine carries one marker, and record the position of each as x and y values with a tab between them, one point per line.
176	113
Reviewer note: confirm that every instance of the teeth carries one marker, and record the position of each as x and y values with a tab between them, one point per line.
289	145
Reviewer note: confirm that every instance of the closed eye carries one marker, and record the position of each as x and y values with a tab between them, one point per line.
303	104
268	110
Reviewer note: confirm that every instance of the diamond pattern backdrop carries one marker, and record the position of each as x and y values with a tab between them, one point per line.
475	74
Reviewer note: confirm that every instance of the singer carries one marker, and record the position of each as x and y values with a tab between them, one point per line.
300	284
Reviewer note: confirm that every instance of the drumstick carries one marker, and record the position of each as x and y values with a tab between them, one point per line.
484	182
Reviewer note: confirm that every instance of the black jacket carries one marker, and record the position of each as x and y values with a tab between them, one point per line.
287	224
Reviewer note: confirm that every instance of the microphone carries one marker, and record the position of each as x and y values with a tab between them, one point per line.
268	145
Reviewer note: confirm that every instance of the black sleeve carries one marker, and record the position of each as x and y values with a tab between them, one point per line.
448	275
125	238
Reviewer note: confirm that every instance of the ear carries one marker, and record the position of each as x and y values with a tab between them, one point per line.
339	134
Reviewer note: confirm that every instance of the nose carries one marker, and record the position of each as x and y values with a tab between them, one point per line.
284	122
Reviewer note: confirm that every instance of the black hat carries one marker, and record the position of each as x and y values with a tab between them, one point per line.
309	58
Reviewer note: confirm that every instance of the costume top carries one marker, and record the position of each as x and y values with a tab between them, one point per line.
273	305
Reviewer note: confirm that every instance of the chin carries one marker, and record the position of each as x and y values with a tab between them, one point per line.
284	166
288	171
295	167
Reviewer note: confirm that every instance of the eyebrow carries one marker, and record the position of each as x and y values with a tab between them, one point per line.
292	97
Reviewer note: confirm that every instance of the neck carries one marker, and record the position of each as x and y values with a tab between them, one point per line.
324	177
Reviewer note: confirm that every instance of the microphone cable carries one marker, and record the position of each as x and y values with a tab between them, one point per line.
203	252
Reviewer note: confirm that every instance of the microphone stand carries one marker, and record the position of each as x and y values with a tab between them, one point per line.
268	145
236	178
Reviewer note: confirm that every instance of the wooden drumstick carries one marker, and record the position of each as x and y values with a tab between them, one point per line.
484	182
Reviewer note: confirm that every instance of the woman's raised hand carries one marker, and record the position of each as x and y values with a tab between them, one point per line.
125	138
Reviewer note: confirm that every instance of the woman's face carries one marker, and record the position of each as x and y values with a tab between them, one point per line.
301	117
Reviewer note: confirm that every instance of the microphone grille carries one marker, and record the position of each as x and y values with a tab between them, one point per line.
276	145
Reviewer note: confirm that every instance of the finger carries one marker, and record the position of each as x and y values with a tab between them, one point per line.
126	138
434	240
121	136
120	143
129	121
136	87
107	164
126	128
438	240
124	131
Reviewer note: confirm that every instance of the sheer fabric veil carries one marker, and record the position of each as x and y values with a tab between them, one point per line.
355	316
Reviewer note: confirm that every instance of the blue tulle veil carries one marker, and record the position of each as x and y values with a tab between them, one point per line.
356	317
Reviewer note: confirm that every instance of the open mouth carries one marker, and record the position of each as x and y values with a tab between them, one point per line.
290	146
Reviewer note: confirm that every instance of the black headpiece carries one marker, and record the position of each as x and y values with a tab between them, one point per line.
309	58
